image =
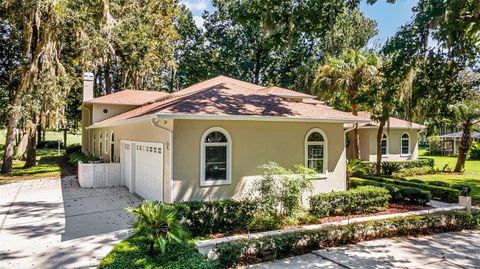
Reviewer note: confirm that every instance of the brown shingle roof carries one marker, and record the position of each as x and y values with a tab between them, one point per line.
282	92
129	97
392	122
224	96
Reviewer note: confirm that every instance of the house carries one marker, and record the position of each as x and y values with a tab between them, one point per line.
450	142
206	141
399	143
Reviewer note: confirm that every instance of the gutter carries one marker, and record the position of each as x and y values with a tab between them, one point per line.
155	123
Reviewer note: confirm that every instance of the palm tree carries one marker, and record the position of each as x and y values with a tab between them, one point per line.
159	224
355	167
466	116
346	76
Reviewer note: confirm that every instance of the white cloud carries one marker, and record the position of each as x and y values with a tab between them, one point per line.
193	5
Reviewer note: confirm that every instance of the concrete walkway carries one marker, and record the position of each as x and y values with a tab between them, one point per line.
52	223
458	250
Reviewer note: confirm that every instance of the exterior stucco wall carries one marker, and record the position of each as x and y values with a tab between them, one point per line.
253	143
144	132
364	144
112	110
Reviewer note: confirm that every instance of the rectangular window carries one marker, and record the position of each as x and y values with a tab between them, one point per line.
315	158
384	147
215	163
405	147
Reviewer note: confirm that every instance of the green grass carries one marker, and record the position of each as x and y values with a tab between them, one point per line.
52	135
133	253
470	177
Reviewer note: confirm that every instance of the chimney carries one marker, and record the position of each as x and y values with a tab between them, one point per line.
87	86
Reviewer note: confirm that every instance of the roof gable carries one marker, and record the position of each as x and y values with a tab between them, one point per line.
129	97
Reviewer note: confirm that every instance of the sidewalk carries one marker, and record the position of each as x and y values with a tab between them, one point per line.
455	250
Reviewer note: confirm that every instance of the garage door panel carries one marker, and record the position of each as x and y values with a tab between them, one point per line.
149	170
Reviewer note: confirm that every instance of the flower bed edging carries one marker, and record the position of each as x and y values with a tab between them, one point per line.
207	246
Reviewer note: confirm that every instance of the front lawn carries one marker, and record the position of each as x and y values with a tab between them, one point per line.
470	177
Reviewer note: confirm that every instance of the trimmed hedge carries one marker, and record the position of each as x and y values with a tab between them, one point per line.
461	187
203	218
361	200
49	144
422	162
278	246
439	184
397	193
73	149
445	194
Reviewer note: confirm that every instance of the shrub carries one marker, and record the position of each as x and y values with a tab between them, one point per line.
422	162
74	148
133	253
474	152
417	181
434	145
414	195
279	191
278	246
362	200
49	144
159	223
415	171
202	218
445	194
394	190
439	184
75	157
388	168
462	187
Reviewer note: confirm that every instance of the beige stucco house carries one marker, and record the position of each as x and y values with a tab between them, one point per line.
207	141
399	143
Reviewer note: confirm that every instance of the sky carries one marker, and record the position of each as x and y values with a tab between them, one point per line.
389	17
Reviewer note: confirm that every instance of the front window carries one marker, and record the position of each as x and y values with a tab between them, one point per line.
100	145
315	151
216	164
112	147
384	145
405	144
94	143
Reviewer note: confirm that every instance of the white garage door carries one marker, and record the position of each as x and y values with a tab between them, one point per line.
147	164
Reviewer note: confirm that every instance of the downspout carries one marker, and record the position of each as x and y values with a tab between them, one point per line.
345	150
156	123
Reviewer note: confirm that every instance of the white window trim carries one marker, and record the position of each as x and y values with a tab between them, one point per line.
106	143
401	146
204	182
387	150
325	152
94	149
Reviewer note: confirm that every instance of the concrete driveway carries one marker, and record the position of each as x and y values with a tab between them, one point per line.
53	223
458	250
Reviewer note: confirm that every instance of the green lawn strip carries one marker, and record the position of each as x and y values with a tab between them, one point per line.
133	253
52	136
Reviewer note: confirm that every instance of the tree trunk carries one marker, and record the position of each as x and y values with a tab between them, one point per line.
39	133
65	138
108	79
31	153
356	147
379	146
465	143
10	138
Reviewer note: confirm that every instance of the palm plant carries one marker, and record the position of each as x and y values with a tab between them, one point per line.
346	76
355	167
159	224
466	116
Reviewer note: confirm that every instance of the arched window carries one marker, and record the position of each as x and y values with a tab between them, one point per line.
216	157
405	142
112	147
316	151
385	145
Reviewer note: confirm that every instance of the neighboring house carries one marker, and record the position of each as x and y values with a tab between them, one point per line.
207	141
400	140
451	142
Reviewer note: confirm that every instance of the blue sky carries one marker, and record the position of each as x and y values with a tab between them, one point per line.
388	16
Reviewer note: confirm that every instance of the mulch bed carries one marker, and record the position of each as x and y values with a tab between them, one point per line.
392	209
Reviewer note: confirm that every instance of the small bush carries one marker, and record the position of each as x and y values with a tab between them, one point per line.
474	152
76	157
394	190
462	187
434	145
388	168
203	218
361	200
417	181
444	194
49	144
439	184
278	246
414	195
415	171
75	148
422	162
